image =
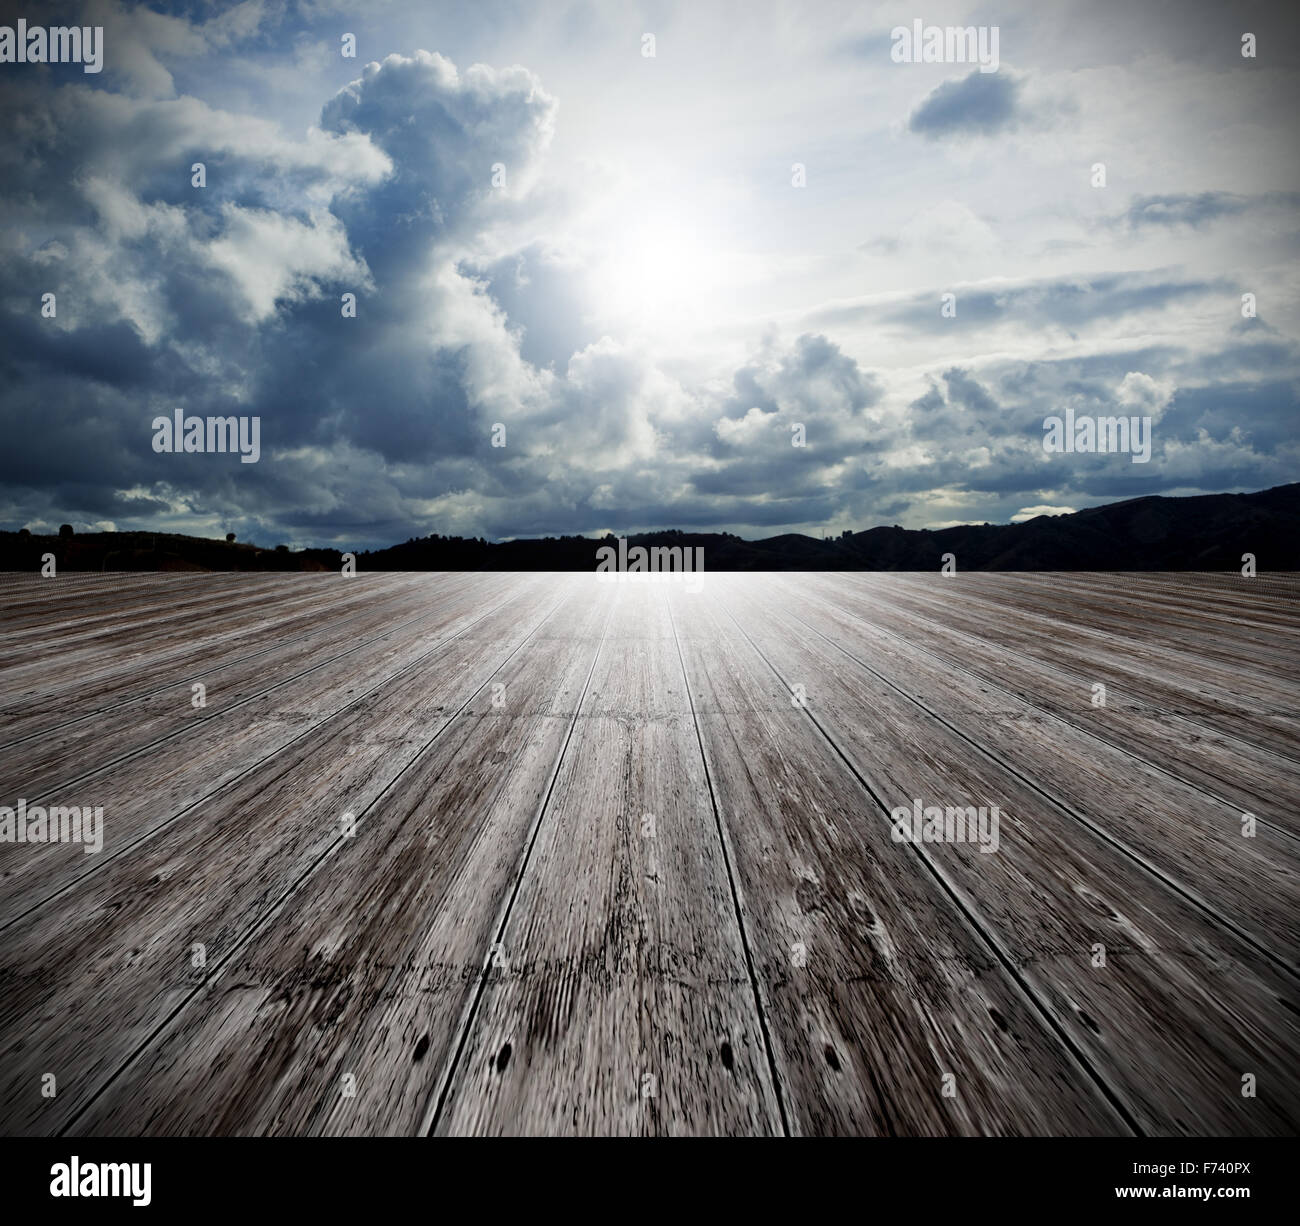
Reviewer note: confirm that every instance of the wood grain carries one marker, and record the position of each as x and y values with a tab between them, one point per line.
622	860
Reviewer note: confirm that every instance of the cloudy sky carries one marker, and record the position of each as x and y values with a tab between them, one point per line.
648	269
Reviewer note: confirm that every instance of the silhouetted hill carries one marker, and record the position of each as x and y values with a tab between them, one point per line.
1207	532
155	551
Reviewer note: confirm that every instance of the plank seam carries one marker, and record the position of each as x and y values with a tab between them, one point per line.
103	861
947	662
274	910
433	1112
234	706
186	680
1111	1095
1185	892
731	881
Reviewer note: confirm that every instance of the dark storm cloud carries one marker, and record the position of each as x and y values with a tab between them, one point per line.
979	104
444	132
1271	410
247	299
814	376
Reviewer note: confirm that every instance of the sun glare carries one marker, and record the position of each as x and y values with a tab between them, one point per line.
658	273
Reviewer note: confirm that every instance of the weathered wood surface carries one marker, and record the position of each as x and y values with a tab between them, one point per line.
620	861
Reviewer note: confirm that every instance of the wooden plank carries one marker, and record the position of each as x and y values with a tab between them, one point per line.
876	986
1266	602
376	990
208	882
42	759
350	985
1246	633
44	695
1252	706
146	791
627	1008
1193	840
1182	1010
1250	778
25	596
65	619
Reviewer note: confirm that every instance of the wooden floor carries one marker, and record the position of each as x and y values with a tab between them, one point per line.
487	853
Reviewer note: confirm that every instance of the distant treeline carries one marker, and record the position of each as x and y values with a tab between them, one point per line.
154	551
1208	532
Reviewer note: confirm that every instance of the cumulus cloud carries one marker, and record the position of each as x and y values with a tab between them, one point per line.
143	40
1141	394
445	132
275	259
474	309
